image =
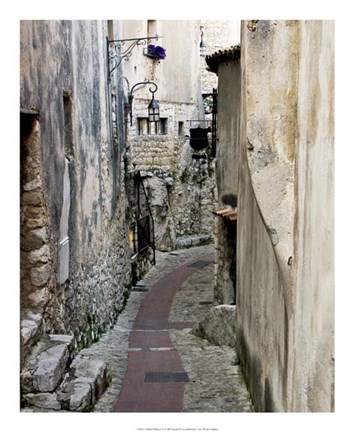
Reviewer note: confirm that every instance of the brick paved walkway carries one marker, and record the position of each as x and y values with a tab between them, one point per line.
155	378
215	383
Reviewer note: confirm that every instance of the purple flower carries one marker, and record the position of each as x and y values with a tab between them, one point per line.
156	51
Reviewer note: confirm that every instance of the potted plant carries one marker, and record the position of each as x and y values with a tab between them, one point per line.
156	52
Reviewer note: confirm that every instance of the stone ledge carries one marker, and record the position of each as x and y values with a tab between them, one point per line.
191	241
218	326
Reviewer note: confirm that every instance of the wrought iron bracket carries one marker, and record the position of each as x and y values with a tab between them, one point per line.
131	97
120	49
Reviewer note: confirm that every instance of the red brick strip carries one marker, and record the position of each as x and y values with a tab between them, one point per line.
150	331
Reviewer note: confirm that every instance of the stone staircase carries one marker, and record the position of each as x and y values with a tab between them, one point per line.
53	380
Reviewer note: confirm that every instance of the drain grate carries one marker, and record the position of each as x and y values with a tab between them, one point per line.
165	377
206	302
140	288
200	264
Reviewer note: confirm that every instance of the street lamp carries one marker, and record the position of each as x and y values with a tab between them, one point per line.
153	107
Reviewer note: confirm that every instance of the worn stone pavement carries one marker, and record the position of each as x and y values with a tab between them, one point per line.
215	382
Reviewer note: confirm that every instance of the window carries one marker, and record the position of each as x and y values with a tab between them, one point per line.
151	28
163	126
110	30
142	126
68	126
180	129
152	128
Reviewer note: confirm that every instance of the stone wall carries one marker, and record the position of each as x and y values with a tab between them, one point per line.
180	189
313	366
217	35
36	263
77	257
285	224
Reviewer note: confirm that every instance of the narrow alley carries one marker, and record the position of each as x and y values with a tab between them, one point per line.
155	362
176	216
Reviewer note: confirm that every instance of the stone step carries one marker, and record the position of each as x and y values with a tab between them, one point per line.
48	383
192	241
84	384
46	365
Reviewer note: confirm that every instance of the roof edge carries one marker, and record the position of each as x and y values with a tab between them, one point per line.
213	60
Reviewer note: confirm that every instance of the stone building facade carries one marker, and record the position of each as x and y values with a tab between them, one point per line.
75	256
217	36
179	184
284	142
180	189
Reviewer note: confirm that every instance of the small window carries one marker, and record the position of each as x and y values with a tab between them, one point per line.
151	28
68	126
152	128
180	129
163	126
142	126
110	30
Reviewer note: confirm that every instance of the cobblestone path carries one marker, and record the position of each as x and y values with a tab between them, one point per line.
155	363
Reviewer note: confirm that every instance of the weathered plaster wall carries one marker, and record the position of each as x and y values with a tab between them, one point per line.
313	376
285	226
226	173
66	60
177	76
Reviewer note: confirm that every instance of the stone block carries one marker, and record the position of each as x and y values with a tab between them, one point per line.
40	275
29	329
187	242
41	233
32	198
33	212
33	184
93	369
51	366
169	182
63	339
47	401
218	326
39	297
39	255
37	222
81	397
26	382
30	242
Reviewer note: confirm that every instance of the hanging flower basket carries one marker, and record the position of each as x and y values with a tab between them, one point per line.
156	52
